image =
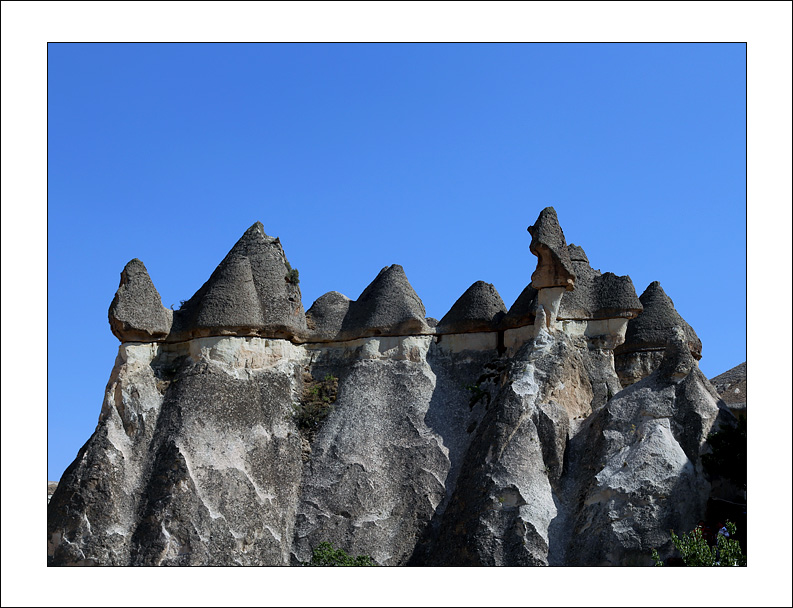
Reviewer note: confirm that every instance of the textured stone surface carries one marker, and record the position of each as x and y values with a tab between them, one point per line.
137	313
554	268
506	442
387	307
430	455
51	487
647	336
615	297
326	316
248	294
596	295
480	308
580	302
523	311
194	462
636	467
504	501
376	471
731	386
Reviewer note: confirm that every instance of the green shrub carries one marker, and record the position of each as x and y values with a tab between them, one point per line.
695	551
293	276
316	402
326	555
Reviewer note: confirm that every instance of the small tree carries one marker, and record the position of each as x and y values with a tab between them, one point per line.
695	551
326	555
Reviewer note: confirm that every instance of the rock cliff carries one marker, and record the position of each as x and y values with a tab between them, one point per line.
240	430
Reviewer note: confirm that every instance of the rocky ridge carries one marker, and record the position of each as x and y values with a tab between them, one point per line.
492	437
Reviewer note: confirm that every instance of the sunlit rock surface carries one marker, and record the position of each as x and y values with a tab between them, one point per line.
243	431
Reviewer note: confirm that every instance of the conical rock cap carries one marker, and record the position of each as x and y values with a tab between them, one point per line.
136	313
251	292
387	307
480	308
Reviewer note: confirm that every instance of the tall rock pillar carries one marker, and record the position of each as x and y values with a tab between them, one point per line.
554	273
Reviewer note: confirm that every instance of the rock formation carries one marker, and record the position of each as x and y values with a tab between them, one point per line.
554	273
480	308
245	431
647	335
731	386
251	293
137	313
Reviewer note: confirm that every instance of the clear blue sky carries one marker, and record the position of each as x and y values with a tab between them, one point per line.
435	157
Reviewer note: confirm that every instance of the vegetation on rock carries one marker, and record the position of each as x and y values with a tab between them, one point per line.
316	402
326	555
695	550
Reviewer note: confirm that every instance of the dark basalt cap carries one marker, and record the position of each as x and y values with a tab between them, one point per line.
387	307
249	293
523	311
653	328
326	316
615	297
554	268
136	313
581	302
480	308
596	295
577	254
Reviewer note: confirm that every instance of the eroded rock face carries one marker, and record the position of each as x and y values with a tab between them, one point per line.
483	439
636	468
504	501
137	313
596	295
376	472
523	311
731	386
554	268
387	307
253	292
480	308
195	461
326	316
647	336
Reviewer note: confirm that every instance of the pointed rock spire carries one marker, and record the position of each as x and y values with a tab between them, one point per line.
136	313
252	292
648	335
480	308
387	307
653	328
554	268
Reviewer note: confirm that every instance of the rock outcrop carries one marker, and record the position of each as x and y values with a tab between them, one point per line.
252	292
731	386
488	438
387	307
554	268
137	313
647	335
638	468
596	295
480	308
326	316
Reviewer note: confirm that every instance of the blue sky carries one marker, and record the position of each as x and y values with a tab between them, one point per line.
435	157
